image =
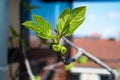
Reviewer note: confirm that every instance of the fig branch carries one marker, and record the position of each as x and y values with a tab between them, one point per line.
81	52
67	23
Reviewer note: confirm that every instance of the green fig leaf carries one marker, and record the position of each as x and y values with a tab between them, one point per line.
63	21
46	36
77	18
42	24
30	25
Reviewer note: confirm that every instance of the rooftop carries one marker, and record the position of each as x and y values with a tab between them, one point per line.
106	50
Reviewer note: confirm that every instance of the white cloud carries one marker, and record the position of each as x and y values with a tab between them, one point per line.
92	17
113	15
109	32
83	30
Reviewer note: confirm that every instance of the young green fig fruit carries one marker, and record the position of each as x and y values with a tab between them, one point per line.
56	47
63	50
83	60
69	66
37	77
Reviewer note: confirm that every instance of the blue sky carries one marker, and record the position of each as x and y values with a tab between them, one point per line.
49	10
101	17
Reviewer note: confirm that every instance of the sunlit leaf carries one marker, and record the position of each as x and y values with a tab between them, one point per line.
46	36
64	13
77	18
30	25
67	25
63	21
42	24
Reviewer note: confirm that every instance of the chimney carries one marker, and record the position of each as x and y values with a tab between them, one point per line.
118	38
95	36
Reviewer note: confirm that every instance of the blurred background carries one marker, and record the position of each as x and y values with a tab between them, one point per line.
99	35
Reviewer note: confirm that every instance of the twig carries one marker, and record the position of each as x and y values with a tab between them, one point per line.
94	59
27	64
52	66
50	73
